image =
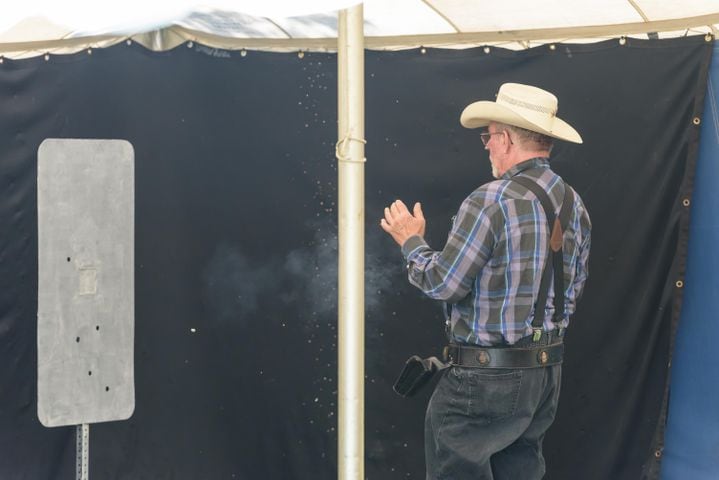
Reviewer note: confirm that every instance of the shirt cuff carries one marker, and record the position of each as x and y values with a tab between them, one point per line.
411	244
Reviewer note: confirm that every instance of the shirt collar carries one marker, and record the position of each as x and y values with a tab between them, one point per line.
536	162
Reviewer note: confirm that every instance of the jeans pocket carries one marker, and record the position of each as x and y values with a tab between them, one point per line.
446	401
492	395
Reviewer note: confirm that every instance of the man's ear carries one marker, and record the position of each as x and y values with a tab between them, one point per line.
506	141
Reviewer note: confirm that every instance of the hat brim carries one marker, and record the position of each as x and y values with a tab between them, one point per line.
480	114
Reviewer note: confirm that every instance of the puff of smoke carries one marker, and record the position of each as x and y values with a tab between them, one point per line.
232	284
316	271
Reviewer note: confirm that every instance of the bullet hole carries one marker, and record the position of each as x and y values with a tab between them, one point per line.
107	389
77	339
68	259
97	327
89	373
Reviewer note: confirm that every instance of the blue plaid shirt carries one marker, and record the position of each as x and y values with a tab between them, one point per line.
490	268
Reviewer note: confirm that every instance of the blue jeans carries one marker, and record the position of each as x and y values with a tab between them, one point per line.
489	423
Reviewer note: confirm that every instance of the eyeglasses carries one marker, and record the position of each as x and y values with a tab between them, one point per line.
485	136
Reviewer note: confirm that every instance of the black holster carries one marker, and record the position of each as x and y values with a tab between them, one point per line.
416	373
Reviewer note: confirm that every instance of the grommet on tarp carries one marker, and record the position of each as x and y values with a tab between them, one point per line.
422	50
658	453
190	44
128	42
47	57
686	202
622	40
486	49
2	59
696	120
552	47
301	54
708	37
89	51
243	53
679	284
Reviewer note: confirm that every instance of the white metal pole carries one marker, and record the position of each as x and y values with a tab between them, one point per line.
351	328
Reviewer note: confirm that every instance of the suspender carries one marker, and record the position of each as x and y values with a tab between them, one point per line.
557	227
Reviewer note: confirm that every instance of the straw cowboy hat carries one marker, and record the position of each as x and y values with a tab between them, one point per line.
522	106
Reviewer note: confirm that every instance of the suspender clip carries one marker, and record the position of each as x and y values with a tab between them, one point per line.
537	335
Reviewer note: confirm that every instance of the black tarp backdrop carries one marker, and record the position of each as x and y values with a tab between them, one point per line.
236	239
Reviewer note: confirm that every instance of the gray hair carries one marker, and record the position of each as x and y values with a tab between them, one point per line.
528	138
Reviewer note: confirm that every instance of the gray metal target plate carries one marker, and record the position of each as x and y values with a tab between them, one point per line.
86	304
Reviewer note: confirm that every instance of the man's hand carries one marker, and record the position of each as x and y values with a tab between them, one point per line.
401	224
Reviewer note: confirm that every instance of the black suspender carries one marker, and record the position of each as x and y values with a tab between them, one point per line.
557	227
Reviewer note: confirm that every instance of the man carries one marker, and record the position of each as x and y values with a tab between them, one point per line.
490	410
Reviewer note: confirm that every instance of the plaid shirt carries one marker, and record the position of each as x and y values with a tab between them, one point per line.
489	271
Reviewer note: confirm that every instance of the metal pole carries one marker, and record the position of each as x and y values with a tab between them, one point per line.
350	156
82	452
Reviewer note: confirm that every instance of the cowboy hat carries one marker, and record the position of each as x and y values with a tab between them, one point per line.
521	106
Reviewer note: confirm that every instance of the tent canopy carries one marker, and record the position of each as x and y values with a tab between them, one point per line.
34	28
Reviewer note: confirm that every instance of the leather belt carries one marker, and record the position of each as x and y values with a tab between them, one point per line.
503	357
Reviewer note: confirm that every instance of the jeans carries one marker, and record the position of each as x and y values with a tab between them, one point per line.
489	424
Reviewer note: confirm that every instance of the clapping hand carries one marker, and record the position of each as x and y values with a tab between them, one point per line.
400	223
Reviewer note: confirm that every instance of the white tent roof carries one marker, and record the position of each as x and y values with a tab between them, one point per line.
36	27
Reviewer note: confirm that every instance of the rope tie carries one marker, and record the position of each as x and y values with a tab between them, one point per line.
342	146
